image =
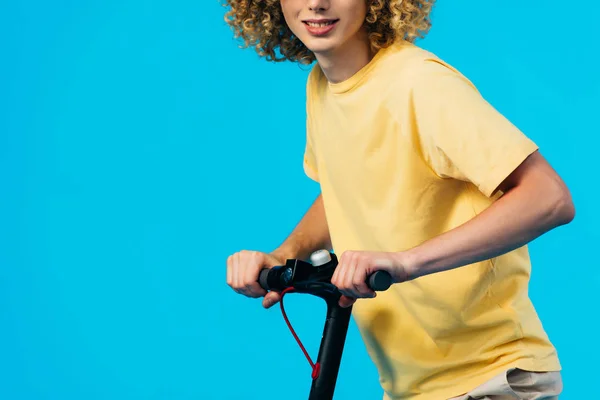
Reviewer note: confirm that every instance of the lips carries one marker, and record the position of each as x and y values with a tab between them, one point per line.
320	27
319	23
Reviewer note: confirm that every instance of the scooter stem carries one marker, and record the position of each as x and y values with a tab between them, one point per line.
331	349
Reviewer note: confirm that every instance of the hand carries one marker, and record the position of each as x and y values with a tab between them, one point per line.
350	276
243	269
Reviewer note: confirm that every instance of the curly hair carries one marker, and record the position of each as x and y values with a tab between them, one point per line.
261	25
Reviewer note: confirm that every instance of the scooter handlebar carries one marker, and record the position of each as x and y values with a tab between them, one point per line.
263	278
279	278
379	281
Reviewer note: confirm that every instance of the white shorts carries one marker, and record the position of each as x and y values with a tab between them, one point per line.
519	385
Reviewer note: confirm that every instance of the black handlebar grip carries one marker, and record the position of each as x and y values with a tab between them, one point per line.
379	281
262	278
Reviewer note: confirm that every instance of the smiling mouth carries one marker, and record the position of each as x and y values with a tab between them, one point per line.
320	24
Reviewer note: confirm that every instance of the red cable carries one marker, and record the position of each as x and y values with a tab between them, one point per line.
316	367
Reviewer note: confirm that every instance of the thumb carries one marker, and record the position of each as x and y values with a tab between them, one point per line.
271	299
346	301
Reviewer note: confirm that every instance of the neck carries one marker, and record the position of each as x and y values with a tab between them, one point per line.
343	62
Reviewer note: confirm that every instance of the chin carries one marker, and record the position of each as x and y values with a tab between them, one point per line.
321	48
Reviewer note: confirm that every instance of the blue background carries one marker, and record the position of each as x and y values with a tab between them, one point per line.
139	146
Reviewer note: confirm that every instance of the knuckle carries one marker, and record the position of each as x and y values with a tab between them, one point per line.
244	253
258	257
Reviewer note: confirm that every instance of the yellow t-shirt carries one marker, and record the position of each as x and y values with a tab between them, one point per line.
405	150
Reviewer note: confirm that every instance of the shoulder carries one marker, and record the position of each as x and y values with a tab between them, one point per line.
412	67
417	78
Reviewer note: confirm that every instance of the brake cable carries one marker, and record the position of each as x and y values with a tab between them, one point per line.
316	367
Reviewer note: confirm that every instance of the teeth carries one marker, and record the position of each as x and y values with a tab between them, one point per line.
319	25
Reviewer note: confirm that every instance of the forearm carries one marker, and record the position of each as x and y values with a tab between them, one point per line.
309	235
518	217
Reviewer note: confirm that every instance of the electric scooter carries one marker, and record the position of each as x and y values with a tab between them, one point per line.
314	278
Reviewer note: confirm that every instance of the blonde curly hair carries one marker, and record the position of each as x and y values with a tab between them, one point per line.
261	25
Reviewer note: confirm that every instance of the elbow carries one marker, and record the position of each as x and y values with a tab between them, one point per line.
564	208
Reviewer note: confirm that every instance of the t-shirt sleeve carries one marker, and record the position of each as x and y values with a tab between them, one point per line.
310	159
462	135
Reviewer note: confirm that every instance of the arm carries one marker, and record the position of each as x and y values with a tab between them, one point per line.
535	201
311	234
243	268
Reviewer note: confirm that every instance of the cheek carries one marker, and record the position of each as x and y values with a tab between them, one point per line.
289	14
357	15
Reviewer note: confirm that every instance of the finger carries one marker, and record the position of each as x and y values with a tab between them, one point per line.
336	271
348	285
251	285
340	271
353	270
359	282
236	272
346	301
271	299
229	271
340	279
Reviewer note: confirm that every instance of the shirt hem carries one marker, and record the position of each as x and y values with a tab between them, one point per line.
501	172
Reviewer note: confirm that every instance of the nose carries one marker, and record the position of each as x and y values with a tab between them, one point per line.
318	5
